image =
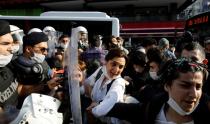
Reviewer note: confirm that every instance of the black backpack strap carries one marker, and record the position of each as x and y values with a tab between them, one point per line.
100	72
109	85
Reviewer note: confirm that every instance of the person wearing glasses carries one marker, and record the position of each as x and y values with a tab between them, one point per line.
181	102
33	72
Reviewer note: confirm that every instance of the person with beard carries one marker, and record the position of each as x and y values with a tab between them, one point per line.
82	36
57	60
182	101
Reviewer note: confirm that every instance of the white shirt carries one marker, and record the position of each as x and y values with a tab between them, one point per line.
107	100
161	118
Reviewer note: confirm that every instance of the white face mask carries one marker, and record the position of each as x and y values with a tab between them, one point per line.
38	57
172	103
137	68
5	59
153	75
15	48
64	45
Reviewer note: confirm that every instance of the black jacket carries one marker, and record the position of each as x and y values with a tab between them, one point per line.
8	87
146	113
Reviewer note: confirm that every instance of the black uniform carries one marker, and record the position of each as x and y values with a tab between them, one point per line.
8	87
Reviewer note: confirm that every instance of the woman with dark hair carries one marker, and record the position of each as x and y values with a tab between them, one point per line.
182	101
135	72
152	83
106	86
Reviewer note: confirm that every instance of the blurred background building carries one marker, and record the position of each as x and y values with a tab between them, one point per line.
138	18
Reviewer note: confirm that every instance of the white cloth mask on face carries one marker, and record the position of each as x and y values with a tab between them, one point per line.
15	48
172	103
64	45
153	75
38	57
5	59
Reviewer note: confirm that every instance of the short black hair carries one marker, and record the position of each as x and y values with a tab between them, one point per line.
148	42
34	38
4	27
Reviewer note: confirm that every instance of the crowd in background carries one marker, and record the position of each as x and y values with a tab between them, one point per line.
154	83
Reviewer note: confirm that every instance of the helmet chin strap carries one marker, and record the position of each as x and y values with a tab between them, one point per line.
172	103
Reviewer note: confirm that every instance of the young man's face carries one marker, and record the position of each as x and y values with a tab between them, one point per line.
6	43
41	48
193	54
83	36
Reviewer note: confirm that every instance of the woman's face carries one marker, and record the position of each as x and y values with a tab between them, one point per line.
115	66
186	90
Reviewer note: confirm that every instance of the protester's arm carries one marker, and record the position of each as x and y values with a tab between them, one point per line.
90	82
114	95
37	88
126	111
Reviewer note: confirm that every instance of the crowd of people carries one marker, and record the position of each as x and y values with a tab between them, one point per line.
151	84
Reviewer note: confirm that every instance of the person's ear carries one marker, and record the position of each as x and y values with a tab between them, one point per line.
166	87
28	49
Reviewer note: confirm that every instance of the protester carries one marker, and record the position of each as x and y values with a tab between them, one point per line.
57	60
181	102
94	56
120	44
164	47
152	83
82	35
194	51
135	72
109	88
